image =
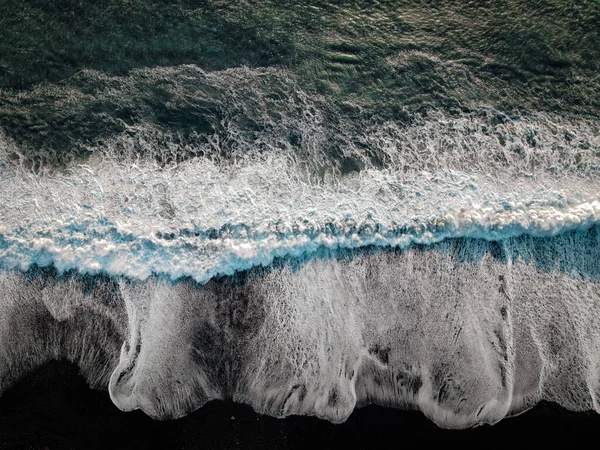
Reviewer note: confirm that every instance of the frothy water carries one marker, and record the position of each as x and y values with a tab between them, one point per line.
448	263
199	220
467	330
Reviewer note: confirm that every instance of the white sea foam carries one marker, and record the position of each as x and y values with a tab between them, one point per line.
201	219
466	330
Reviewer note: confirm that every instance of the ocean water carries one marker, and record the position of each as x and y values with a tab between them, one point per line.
184	233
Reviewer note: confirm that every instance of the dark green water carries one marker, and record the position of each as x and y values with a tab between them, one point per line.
381	60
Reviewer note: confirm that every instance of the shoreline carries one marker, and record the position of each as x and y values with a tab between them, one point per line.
33	414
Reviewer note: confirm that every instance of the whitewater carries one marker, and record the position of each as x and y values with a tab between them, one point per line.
453	269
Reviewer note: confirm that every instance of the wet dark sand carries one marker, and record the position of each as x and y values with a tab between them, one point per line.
54	409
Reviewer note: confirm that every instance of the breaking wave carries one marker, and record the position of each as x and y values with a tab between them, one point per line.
196	221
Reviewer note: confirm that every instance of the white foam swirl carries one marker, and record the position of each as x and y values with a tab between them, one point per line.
201	219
